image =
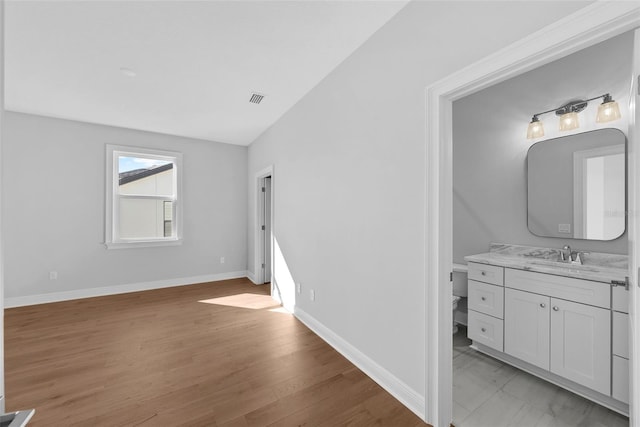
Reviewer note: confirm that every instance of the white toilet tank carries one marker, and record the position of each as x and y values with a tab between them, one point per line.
460	287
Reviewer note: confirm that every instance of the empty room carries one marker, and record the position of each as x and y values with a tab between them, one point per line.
320	213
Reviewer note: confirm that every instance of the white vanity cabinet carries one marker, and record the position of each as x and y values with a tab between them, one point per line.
564	337
547	325
560	328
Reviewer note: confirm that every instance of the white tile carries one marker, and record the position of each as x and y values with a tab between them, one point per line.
459	414
530	416
499	411
484	368
600	416
488	393
470	391
536	392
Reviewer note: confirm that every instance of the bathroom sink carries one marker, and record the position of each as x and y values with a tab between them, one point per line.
565	265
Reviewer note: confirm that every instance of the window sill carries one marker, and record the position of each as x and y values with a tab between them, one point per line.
143	244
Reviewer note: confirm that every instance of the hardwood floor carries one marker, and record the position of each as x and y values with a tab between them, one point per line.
212	354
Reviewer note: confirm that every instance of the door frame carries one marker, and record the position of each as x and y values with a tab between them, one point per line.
586	27
259	241
579	187
633	207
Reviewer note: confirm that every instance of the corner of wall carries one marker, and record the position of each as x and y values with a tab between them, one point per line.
392	384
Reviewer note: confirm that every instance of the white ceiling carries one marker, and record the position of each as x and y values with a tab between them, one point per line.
196	62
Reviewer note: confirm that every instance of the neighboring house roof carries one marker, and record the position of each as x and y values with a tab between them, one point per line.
136	174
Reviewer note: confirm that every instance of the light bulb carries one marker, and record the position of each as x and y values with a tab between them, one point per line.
535	129
569	121
608	111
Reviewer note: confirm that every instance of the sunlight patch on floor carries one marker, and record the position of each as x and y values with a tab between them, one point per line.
280	310
251	301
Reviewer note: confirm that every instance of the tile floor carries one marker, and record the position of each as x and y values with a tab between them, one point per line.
489	393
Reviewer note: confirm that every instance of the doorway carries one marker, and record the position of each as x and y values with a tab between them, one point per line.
266	229
593	24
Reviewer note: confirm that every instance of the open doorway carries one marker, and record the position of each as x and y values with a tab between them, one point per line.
264	227
535	181
595	24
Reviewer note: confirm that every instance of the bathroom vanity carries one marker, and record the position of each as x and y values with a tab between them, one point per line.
561	321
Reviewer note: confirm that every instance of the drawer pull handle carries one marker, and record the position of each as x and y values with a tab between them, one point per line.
555	308
483	329
543	305
483	298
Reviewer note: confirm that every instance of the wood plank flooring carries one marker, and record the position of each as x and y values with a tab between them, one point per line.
211	354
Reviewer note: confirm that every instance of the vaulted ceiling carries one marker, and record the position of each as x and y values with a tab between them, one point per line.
185	68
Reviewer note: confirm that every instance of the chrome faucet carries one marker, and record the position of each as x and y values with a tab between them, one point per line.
573	257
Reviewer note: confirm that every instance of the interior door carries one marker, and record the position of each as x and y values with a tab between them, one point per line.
267	230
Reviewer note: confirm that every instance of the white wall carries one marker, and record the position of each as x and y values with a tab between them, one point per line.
2	282
349	182
53	201
490	145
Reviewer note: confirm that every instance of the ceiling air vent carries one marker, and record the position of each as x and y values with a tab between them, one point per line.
256	98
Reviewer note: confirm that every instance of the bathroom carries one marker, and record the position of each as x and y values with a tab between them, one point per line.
490	205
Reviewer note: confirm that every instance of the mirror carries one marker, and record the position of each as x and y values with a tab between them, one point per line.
577	186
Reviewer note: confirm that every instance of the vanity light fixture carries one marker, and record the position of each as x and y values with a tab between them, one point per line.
535	129
607	111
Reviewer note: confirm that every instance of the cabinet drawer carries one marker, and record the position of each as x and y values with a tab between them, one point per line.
620	379
567	288
485	330
485	298
620	299
621	334
486	273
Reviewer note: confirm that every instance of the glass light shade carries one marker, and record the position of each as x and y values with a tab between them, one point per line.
535	130
607	112
569	121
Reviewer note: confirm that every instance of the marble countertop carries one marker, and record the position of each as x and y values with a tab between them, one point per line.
599	267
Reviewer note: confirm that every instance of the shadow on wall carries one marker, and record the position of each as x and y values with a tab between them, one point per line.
284	287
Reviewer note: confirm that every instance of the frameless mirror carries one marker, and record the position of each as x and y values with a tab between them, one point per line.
577	187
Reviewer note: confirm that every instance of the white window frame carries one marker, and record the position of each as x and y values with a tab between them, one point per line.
112	239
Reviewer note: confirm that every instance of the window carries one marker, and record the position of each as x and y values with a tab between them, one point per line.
143	197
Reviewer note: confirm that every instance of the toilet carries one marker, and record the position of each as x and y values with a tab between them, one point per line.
454	305
460	291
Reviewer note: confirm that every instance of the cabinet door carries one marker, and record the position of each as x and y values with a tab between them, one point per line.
526	327
620	379
581	344
620	336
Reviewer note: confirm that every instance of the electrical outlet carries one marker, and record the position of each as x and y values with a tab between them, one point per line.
564	228
312	295
53	275
222	260
298	287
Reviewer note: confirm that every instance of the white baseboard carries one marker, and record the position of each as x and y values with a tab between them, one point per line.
253	278
10	302
397	388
